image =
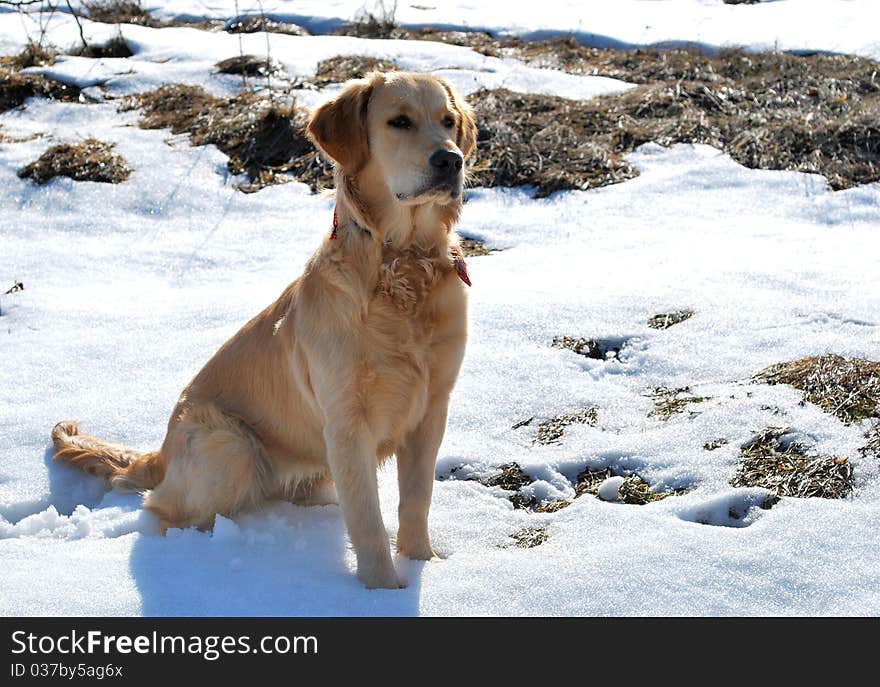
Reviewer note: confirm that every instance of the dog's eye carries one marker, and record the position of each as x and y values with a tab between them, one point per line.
401	122
448	122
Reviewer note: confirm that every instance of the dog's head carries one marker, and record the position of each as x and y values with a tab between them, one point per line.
413	131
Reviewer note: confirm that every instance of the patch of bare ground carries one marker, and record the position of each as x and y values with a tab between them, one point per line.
872	448
260	23
91	160
115	47
133	12
529	537
472	247
550	431
812	113
715	444
634	490
668	319
264	140
341	68
542	141
15	88
669	402
597	349
248	65
120	12
848	388
33	55
775	460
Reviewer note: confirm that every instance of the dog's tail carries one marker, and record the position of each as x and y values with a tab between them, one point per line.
123	468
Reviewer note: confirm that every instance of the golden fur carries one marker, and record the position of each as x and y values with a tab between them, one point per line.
353	363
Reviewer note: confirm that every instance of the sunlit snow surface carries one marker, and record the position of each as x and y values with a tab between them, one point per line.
130	288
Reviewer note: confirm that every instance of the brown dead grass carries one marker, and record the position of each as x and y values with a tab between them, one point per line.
15	88
872	448
120	12
773	461
262	139
91	160
541	141
668	319
472	247
634	490
529	537
248	65
550	431
848	388
259	23
816	113
33	55
341	68
597	349
115	47
669	402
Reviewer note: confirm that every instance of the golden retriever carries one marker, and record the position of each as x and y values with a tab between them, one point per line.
357	358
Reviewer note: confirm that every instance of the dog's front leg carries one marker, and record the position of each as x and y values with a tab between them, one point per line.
415	476
352	459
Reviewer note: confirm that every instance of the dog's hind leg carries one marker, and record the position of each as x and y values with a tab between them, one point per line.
216	465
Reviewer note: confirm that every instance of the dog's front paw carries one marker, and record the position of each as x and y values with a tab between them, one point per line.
421	552
380	579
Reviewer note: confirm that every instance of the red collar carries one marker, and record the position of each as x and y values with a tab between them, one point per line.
460	264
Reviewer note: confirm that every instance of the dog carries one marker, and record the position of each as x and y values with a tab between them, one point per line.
356	360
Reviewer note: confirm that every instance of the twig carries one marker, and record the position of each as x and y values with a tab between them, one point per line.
268	52
87	50
241	53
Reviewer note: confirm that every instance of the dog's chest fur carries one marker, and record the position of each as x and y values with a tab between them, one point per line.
407	276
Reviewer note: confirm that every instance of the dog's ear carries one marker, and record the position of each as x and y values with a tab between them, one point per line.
339	127
466	138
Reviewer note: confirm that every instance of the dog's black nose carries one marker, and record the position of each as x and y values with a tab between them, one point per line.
446	161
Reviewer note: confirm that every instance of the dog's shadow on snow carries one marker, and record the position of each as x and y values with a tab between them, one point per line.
285	560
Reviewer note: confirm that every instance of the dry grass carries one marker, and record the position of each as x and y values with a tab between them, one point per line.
120	12
848	388
262	139
776	462
33	55
550	431
473	247
248	65
668	319
541	141
259	23
669	402
715	444
529	537
90	160
378	22
634	490
512	479
597	349
872	448
115	47
816	113
15	88
341	68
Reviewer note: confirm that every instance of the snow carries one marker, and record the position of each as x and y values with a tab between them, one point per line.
130	288
609	490
847	26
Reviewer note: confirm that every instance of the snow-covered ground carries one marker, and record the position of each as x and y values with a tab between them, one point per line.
130	288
